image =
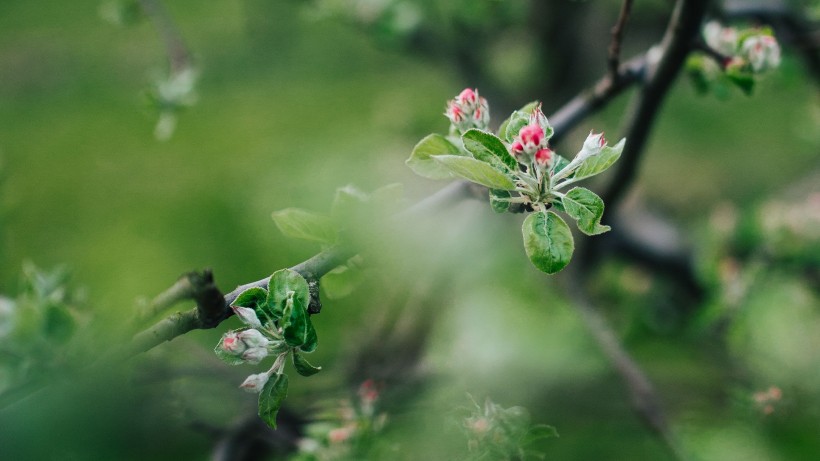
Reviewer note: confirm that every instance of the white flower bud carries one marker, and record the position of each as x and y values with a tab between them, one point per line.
247	316
762	52
255	355
592	146
253	338
255	383
232	344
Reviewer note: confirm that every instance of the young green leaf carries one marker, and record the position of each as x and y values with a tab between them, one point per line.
421	160
587	209
271	398
488	148
257	299
348	200
476	171
341	281
311	340
303	367
280	284
295	322
598	163
305	225
498	200
547	241
539	432
509	128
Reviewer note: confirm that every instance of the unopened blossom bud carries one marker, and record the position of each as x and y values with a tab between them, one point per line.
254	338
341	434
255	355
543	157
592	146
762	52
721	39
467	97
517	148
232	344
538	118
531	136
255	383
247	316
468	110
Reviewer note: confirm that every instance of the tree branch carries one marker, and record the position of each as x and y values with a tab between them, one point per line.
614	57
683	29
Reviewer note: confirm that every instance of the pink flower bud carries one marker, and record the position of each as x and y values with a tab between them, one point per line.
517	148
247	315
255	355
255	383
454	113
232	344
543	156
467	97
368	391
531	135
253	338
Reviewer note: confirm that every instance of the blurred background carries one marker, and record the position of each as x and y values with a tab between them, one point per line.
296	99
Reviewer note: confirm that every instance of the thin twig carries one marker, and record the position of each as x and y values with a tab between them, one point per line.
617	38
179	57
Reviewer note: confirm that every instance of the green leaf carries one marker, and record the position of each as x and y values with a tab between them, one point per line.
387	196
547	241
311	341
348	200
257	299
341	281
509	128
497	200
488	148
295	322
743	80
539	432
598	163
305	225
280	284
271	398
421	160
59	324
476	171
303	367
587	209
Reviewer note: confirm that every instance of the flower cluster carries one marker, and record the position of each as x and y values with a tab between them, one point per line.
531	142
468	110
355	423
248	345
751	50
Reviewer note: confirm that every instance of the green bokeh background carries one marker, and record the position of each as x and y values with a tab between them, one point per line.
293	107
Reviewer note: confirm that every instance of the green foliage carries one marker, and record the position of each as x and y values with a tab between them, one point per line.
519	167
586	208
547	241
476	171
271	398
303	367
303	224
497	433
38	326
280	326
422	157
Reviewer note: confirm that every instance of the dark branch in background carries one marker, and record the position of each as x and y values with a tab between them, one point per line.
617	38
179	58
683	28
